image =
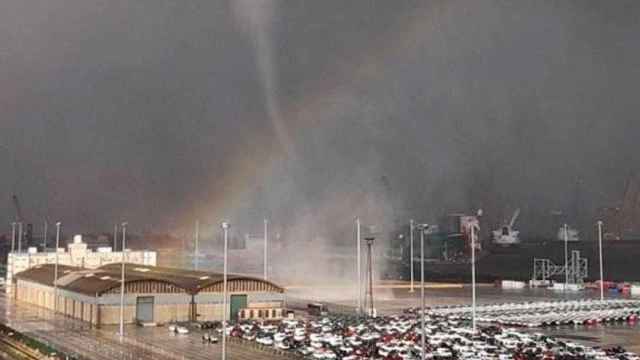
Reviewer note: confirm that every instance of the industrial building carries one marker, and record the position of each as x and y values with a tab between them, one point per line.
152	294
77	254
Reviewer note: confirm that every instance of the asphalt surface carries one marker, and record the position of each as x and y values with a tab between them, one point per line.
78	338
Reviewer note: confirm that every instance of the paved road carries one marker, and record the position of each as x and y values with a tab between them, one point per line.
76	337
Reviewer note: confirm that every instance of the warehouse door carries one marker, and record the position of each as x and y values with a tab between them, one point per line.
237	302
144	309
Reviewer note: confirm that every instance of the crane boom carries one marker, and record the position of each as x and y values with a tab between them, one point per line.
514	217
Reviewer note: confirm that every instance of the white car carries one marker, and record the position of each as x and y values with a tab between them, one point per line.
334	340
279	337
267	341
443	353
210	338
354	341
290	322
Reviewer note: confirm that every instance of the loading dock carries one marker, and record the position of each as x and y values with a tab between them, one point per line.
144	309
237	302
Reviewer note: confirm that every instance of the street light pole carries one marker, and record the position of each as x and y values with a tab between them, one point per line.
566	256
358	268
115	237
369	292
44	237
601	265
423	228
411	253
266	239
473	276
124	247
20	236
225	227
195	248
13	249
55	269
13	236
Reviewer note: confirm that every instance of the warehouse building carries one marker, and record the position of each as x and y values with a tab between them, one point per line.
152	294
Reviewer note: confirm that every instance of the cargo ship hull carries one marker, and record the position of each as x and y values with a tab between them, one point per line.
621	262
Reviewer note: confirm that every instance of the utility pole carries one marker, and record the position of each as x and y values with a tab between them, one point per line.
124	247
358	267
266	239
601	265
225	228
411	253
55	269
196	251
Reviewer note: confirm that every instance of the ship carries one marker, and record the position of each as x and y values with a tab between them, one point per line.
516	263
503	255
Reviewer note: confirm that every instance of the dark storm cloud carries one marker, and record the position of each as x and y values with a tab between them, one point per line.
145	110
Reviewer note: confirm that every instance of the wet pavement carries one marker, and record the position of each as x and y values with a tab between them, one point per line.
79	339
625	335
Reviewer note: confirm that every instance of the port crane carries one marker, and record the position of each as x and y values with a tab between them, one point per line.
507	235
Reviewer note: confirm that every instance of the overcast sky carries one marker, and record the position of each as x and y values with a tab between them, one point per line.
313	112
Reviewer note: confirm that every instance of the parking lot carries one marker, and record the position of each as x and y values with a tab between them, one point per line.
392	299
78	338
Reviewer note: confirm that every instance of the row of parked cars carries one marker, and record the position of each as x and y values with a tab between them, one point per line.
550	313
400	337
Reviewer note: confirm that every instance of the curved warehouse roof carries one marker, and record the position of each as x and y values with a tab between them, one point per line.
106	278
